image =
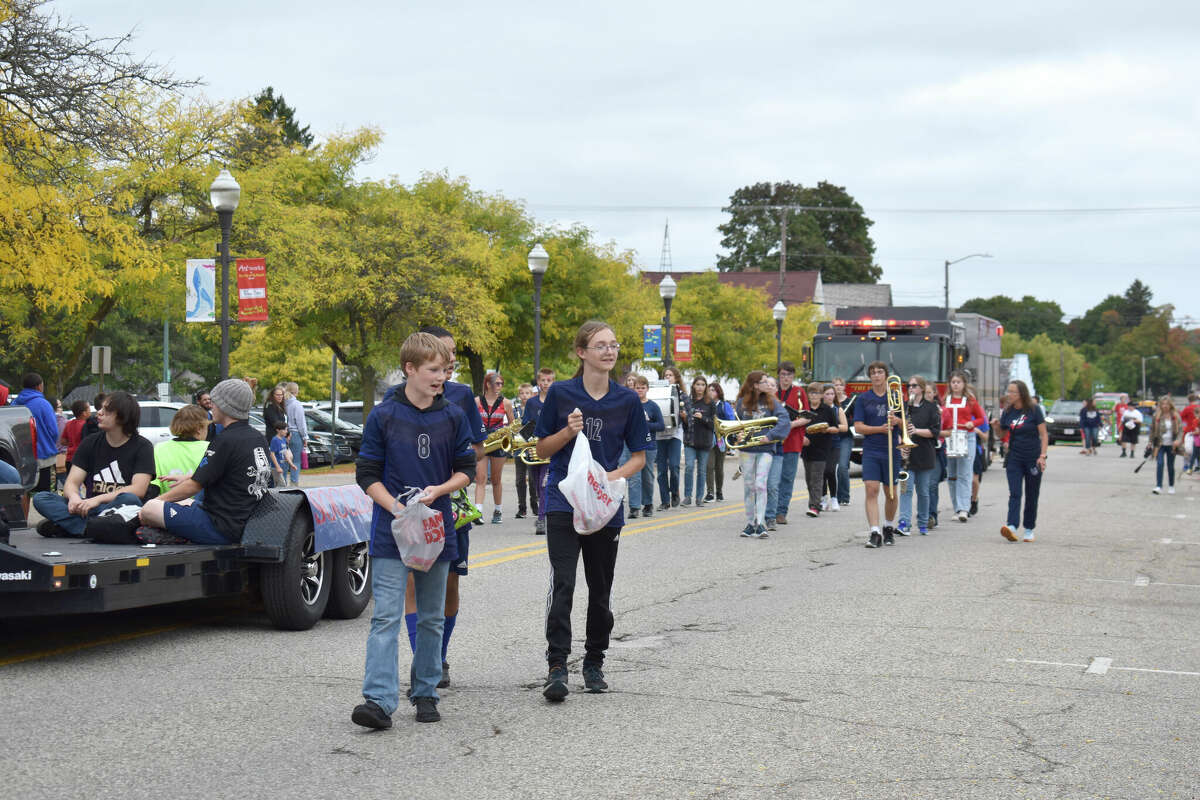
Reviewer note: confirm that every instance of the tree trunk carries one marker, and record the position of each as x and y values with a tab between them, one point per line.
368	388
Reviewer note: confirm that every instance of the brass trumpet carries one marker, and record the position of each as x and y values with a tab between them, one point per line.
895	405
526	451
502	438
732	431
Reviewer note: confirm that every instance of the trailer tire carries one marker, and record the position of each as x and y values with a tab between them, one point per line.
296	591
350	582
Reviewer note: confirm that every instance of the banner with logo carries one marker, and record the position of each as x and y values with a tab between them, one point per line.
252	289
201	290
341	515
652	343
683	342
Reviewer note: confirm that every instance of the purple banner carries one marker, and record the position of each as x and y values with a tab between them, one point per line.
341	515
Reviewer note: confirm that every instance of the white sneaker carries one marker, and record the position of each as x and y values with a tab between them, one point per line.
962	516
825	503
1157	490
1170	490
833	504
1028	537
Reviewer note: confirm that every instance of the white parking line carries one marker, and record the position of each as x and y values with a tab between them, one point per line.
1100	665
1143	580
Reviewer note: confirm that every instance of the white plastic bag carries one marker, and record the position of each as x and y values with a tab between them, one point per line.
1189	444
420	534
594	498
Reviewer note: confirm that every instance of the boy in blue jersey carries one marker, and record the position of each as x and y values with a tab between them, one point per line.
413	439
537	474
877	426
612	418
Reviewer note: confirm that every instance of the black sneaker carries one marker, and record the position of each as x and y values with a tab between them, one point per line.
974	508
555	689
648	511
370	715
664	506
876	540
748	531
445	681
708	498
427	710
634	513
720	497
761	533
593	679
889	536
520	514
674	500
540	527
50	530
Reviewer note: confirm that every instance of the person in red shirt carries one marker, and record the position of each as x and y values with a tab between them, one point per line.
782	477
73	431
1118	415
961	415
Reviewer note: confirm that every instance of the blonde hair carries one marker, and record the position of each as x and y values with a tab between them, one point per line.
191	420
421	348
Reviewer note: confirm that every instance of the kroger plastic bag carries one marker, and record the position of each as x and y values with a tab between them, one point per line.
419	531
594	498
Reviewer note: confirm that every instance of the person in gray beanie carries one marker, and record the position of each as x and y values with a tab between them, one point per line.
234	475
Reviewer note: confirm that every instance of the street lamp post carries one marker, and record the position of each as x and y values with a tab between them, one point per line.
224	195
955	261
779	312
539	260
1144	360
666	290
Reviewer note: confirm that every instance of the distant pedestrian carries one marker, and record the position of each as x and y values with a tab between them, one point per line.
1191	428
961	415
1026	462
697	440
845	443
715	474
1131	427
641	484
1118	425
297	429
924	429
1166	437
786	462
529	416
275	408
670	443
1089	426
496	412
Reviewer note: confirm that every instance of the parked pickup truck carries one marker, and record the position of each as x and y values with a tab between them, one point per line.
18	438
303	551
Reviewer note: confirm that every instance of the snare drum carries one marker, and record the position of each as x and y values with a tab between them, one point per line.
956	444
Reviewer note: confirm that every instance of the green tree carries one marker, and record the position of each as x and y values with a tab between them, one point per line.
837	243
1052	362
1175	368
1027	316
274	108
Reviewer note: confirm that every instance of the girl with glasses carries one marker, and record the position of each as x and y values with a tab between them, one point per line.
496	412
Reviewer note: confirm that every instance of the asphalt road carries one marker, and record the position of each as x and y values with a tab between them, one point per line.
956	665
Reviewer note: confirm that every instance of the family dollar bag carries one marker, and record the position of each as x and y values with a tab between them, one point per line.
595	498
420	533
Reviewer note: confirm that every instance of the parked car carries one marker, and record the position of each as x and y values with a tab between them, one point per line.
321	422
323	447
351	412
1062	421
155	423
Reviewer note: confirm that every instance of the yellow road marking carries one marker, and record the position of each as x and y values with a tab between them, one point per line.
71	648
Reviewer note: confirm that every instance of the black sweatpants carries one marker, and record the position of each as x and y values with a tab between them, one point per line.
599	563
526	482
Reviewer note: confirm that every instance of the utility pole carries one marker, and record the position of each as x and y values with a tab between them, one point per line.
1062	375
782	248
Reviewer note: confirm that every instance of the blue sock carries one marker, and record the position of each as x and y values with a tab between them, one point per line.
410	622
447	629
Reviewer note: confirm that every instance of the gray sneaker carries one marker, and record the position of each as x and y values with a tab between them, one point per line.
497	517
593	679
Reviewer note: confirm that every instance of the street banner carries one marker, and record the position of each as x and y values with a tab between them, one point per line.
252	289
201	290
683	342
341	515
652	343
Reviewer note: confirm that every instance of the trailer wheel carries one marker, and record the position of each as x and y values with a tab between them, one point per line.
350	579
296	592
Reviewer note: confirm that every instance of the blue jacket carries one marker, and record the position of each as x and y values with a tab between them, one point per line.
46	422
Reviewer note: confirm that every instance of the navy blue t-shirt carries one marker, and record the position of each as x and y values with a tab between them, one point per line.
417	448
458	394
532	410
1024	441
871	409
611	423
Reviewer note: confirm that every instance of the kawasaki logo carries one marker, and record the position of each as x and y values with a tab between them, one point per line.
24	575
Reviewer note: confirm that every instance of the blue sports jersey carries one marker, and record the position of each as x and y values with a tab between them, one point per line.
458	394
532	410
416	448
871	409
611	423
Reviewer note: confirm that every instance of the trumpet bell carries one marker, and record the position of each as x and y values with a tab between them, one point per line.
737	432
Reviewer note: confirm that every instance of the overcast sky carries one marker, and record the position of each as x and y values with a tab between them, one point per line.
947	122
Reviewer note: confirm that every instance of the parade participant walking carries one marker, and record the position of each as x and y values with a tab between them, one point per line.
414	439
525	487
924	428
756	400
1166	438
980	442
670	443
1028	441
297	428
530	414
816	450
611	418
496	412
845	445
931	395
829	500
1089	426
641	485
109	470
697	439
716	457
961	415
782	480
876	424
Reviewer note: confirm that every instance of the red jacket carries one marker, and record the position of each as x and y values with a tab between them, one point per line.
968	411
796	398
72	435
1190	418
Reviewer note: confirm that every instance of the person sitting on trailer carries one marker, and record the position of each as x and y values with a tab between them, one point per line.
234	474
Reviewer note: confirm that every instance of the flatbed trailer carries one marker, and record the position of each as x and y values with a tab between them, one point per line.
304	551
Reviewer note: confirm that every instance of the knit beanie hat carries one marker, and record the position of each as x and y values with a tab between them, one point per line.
234	397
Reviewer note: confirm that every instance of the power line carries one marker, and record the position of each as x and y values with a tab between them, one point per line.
879	210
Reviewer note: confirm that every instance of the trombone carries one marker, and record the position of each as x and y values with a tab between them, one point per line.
733	431
895	406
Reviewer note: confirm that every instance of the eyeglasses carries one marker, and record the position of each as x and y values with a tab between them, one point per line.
914	386
604	348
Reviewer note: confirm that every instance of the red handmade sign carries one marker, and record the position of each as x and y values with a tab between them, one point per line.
252	289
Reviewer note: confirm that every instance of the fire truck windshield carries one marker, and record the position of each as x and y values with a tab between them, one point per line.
849	359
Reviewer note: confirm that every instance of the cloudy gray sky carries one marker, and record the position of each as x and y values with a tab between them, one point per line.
961	128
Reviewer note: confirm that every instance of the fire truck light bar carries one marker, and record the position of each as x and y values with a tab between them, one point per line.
880	323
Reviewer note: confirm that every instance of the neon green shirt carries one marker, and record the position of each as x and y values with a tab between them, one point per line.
177	457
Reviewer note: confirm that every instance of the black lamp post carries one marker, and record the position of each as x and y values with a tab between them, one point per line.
779	312
539	260
666	290
224	194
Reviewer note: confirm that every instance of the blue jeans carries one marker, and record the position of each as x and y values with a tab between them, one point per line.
297	447
8	473
641	485
1022	473
667	461
1165	453
756	469
54	508
381	676
193	523
845	445
695	471
919	481
1091	436
962	472
780	483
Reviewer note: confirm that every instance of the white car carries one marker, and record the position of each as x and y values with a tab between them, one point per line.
156	419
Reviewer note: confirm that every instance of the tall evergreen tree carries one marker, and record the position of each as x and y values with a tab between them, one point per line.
275	109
